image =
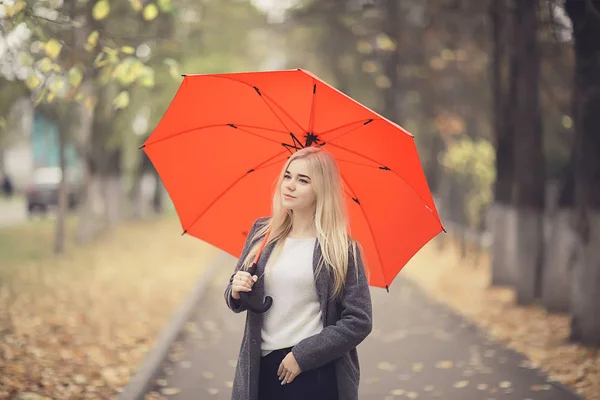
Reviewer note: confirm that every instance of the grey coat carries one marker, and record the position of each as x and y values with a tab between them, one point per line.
346	321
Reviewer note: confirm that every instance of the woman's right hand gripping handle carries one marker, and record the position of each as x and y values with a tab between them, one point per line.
242	282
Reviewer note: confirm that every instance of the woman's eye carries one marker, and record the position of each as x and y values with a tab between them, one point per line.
286	177
303	180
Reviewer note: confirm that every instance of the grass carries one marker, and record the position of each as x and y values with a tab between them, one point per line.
78	325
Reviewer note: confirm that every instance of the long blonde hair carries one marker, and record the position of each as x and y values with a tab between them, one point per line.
331	218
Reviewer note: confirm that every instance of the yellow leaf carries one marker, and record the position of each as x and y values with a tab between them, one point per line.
165	5
146	78
75	76
50	97
45	64
386	366
444	364
136	4
122	100
52	48
567	122
417	367
101	10
170	391
505	384
127	49
150	12
33	82
364	47
461	384
385	43
173	68
92	39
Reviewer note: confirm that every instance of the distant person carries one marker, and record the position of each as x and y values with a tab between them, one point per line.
304	345
7	187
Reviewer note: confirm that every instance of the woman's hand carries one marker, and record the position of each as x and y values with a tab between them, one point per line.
242	282
288	369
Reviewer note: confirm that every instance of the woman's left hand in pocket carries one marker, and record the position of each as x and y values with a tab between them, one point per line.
288	369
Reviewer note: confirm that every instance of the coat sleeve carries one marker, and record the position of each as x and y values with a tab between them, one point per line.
349	331
235	305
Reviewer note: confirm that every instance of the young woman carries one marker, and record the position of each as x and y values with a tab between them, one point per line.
304	346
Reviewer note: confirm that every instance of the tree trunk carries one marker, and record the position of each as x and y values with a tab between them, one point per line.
529	194
560	248
97	200
504	75
61	214
391	61
585	300
112	187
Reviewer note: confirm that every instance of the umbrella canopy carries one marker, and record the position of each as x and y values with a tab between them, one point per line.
223	140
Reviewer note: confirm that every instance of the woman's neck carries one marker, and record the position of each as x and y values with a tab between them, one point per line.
303	225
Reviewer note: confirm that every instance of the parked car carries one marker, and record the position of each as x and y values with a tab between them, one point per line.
42	193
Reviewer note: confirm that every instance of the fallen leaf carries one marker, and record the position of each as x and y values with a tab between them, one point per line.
386	366
461	384
539	388
444	364
417	367
412	395
398	392
505	384
170	391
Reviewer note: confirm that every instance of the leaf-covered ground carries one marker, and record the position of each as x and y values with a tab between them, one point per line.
540	336
77	326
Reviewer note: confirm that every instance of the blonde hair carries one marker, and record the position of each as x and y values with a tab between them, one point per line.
331	218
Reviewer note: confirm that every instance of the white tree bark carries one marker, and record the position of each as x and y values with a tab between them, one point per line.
558	262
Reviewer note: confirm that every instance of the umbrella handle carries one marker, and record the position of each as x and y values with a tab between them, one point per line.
253	303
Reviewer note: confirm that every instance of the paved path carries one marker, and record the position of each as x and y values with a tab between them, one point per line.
418	350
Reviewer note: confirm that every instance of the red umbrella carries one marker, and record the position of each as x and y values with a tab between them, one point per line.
225	137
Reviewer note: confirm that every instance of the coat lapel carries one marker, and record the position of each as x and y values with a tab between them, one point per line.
321	282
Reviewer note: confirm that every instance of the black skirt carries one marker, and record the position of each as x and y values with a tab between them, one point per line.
315	384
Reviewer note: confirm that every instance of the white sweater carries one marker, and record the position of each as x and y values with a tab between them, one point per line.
296	312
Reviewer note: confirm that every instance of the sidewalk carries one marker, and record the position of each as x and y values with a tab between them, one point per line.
418	349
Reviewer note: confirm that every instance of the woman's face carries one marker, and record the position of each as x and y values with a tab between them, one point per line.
297	192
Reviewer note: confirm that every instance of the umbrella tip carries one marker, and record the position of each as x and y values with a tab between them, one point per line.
387	288
141	147
184	232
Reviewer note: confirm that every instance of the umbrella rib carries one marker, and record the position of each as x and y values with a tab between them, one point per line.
215	126
265	96
282	110
228	188
357	201
385	168
311	118
363	121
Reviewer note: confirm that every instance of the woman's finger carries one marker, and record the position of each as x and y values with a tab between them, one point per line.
288	378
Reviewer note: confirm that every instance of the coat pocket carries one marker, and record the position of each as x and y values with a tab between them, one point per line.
350	369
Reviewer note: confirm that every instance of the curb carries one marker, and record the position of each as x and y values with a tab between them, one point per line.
150	367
